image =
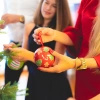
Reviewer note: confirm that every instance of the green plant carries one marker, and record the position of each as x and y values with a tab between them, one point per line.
12	64
8	53
9	92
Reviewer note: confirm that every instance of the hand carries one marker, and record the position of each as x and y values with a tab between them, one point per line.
10	45
64	64
47	35
10	18
97	97
22	54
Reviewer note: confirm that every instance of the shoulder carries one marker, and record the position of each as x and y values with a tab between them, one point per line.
29	27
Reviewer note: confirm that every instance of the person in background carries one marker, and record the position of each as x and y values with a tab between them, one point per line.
47	86
16	14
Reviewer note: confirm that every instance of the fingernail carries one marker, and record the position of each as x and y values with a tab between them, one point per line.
38	38
39	34
38	68
51	51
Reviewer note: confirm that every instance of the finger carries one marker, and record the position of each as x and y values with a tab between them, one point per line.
16	58
38	30
35	36
56	54
6	46
12	44
45	31
41	31
37	41
50	69
11	49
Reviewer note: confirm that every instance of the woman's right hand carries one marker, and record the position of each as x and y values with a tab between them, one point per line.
22	54
46	34
10	45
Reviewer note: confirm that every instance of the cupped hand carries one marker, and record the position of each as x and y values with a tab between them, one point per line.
64	64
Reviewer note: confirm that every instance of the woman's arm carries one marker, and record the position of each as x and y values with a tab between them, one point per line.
49	34
60	48
66	63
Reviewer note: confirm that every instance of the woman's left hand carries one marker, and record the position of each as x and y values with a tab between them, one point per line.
64	64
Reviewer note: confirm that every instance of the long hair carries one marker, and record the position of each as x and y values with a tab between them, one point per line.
94	43
61	19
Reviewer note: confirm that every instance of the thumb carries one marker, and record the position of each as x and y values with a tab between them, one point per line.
11	49
56	54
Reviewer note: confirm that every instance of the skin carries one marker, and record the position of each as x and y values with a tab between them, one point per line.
49	34
48	10
65	62
9	18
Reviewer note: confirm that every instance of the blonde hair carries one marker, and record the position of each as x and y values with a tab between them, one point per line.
94	43
61	19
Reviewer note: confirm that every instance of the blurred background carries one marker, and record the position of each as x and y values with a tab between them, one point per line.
74	4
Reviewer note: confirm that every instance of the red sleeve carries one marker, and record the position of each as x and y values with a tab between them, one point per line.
75	33
97	58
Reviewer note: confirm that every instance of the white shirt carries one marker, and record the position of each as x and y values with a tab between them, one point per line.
20	7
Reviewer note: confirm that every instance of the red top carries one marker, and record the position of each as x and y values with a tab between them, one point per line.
87	82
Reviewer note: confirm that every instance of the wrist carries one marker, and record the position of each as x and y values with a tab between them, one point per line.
62	38
31	56
57	35
54	36
80	64
21	19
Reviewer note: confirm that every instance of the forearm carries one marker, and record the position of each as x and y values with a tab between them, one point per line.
62	38
60	48
91	63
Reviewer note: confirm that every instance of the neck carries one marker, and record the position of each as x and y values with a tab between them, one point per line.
46	23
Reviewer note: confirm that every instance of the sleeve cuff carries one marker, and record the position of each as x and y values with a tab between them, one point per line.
97	58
